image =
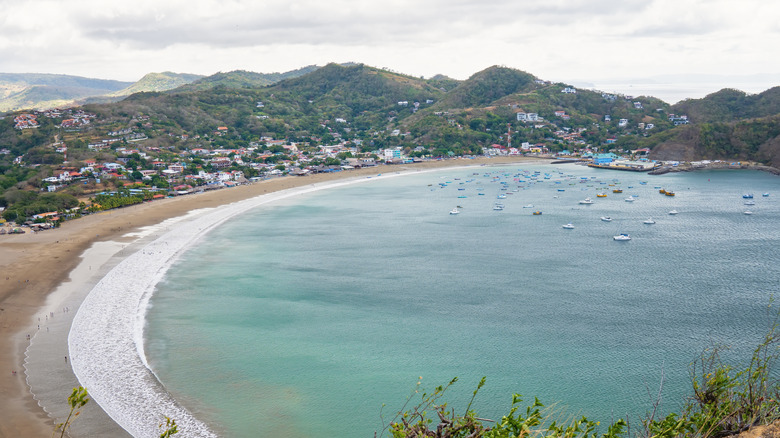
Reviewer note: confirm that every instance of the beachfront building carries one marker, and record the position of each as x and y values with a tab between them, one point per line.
604	158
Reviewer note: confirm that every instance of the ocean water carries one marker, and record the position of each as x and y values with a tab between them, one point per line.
304	317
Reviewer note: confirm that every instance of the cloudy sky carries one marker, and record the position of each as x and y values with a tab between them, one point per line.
585	41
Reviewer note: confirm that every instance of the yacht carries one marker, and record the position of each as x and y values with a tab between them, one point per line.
622	236
673	212
569	226
455	211
586	201
630	199
649	221
748	212
606	218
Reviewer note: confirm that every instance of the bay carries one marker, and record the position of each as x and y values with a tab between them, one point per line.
305	317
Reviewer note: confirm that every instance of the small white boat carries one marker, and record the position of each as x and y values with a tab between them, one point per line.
748	212
498	207
569	226
454	211
765	194
528	206
750	202
630	199
606	218
649	221
586	201
622	236
501	196
673	212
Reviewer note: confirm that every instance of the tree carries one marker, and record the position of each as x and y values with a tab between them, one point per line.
76	400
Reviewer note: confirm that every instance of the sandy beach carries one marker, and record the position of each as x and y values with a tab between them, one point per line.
48	274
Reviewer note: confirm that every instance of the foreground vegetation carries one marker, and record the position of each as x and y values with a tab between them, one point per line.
725	402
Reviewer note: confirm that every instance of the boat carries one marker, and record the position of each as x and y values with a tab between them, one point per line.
586	201
462	196
630	199
498	207
501	196
601	195
649	221
765	194
748	196
622	236
537	213
606	218
662	191
672	212
455	211
569	226
748	212
750	202
617	191
669	193
528	206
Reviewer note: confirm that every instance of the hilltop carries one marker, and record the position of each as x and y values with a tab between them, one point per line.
46	91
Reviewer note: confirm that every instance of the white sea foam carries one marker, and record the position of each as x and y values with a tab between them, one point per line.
106	339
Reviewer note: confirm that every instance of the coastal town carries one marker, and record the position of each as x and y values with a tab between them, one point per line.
93	158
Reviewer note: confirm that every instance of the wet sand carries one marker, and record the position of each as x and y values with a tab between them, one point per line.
46	274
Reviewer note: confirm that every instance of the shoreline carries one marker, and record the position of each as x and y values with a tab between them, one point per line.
35	265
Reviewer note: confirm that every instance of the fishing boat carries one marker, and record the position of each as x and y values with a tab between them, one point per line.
765	194
622	236
617	191
662	191
601	195
748	196
568	226
537	213
669	193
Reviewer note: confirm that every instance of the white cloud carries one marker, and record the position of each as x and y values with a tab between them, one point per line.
556	39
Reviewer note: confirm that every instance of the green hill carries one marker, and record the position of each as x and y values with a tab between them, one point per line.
157	82
729	105
26	91
376	108
244	79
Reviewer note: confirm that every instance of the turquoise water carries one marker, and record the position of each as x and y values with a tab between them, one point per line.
303	318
